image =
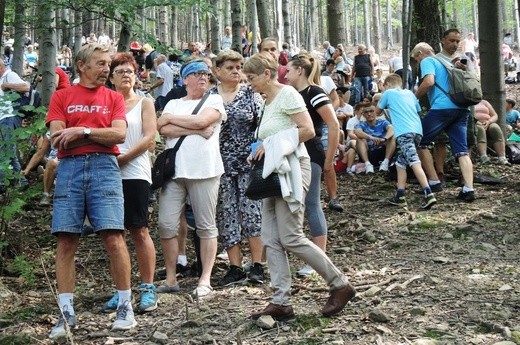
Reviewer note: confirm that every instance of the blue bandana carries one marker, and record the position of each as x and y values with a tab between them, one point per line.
193	67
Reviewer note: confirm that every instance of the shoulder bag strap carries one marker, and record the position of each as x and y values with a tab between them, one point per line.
445	64
195	111
259	122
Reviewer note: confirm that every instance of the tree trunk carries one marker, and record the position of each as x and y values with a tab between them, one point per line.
124	37
356	26
348	37
376	22
366	15
163	24
287	29
254	27
490	57
215	27
262	8
279	34
175	28
19	34
227	12
236	18
475	20
407	24
336	19
427	22
517	24
2	16
48	49
389	31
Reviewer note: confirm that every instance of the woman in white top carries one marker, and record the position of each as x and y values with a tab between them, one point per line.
197	172
282	220
134	162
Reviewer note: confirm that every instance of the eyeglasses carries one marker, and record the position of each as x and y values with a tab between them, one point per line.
200	74
122	72
369	111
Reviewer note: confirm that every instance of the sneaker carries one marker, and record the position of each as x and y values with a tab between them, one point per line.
111	305
383	166
305	271
149	298
256	274
466	196
429	201
484	159
60	330
369	169
335	205
398	201
234	275
442	178
247	266
45	200
124	318
503	161
168	289
182	270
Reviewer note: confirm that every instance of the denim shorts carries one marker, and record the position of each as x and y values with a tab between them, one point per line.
88	185
453	122
408	149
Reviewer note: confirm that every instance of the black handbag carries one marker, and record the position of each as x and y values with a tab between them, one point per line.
513	153
258	187
164	167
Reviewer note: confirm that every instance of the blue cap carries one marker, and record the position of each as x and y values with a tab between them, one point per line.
193	67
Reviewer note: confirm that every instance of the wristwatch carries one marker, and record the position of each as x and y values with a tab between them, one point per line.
86	132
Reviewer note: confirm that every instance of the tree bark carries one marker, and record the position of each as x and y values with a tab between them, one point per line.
163	24
2	16
336	19
287	20
262	8
48	49
490	34
236	18
124	38
366	15
427	22
389	30
215	27
19	33
376	22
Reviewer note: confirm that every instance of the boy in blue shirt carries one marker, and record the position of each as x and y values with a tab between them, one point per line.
404	108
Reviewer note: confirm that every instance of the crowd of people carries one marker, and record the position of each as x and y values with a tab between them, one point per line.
332	114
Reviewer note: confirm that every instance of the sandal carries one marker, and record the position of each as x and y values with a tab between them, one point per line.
202	290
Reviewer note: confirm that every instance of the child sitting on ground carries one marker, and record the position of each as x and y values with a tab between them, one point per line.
404	108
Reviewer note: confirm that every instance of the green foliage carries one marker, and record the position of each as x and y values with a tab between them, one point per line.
19	339
432	334
25	268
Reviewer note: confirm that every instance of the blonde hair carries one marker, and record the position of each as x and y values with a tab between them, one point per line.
394	80
259	62
86	52
310	66
421	47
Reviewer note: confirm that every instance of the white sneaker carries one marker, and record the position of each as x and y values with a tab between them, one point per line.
383	166
223	255
305	271
60	330
369	168
124	318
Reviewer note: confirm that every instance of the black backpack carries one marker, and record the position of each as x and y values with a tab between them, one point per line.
148	62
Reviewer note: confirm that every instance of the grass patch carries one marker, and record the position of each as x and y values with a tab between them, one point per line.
311	321
28	313
427	223
20	339
432	335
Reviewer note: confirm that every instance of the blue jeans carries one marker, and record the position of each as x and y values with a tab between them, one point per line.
7	144
315	215
361	85
88	185
453	122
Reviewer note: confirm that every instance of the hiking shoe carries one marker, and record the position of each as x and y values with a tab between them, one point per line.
466	196
124	318
60	331
484	159
149	298
436	188
429	201
111	305
383	166
168	289
223	255
45	200
398	201
256	274
305	271
369	169
335	205
234	275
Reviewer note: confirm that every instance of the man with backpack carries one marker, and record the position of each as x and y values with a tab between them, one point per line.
444	115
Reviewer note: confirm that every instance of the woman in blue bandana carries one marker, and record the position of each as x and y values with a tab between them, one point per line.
197	172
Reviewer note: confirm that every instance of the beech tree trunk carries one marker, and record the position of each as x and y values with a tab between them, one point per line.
19	33
389	31
174	37
236	18
427	22
287	20
336	22
376	22
366	15
163	24
215	27
48	48
262	8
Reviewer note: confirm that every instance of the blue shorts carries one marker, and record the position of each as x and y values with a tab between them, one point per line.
408	149
453	122
88	185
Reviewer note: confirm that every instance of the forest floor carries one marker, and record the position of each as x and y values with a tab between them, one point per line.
449	275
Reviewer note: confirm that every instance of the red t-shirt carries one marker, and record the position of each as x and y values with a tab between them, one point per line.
282	71
63	80
79	106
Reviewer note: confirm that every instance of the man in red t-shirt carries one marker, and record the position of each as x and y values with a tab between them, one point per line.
86	122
